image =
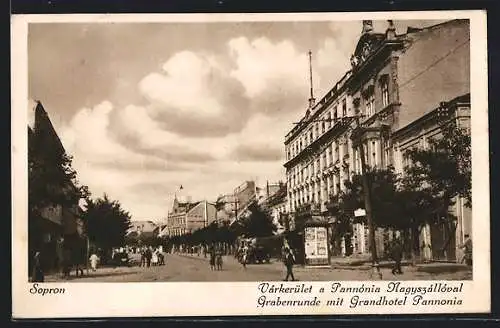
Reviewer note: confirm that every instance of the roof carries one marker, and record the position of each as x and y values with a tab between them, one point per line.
463	99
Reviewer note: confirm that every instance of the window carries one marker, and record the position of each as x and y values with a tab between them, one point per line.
374	154
335	116
330	155
317	130
344	108
323	126
370	105
385	93
329	120
310	135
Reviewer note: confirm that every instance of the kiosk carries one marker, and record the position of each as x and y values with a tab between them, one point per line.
316	236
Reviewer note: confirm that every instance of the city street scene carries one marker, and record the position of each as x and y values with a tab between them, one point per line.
249	151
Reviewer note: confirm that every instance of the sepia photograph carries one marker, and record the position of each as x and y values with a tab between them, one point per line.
252	150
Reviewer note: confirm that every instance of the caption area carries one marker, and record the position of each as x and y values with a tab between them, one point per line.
37	289
337	294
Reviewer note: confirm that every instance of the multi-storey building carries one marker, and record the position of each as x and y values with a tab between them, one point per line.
394	80
186	217
49	219
438	241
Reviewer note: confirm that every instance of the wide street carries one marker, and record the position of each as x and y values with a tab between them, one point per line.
196	268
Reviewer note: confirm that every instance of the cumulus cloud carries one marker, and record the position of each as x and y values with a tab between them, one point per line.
205	125
275	75
193	95
262	152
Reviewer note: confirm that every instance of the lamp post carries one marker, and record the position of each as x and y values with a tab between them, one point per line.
366	189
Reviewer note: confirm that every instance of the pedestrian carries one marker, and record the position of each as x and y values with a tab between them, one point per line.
37	275
244	256
397	256
212	258
161	258
148	257
218	259
289	260
93	261
66	263
143	257
154	258
467	247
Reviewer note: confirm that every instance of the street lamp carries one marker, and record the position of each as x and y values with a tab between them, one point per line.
366	188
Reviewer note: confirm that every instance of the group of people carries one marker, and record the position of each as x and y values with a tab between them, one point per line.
215	258
151	256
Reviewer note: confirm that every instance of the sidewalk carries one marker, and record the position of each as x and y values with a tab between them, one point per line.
364	263
361	263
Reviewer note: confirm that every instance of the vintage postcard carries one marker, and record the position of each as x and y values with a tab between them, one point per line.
250	164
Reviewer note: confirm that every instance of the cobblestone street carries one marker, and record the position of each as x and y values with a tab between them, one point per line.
196	268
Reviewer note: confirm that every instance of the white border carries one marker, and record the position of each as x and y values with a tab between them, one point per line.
210	299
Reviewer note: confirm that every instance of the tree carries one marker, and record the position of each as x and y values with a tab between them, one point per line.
385	204
51	177
445	166
259	223
385	207
434	178
106	222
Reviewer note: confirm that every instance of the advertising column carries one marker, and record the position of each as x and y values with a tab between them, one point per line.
316	246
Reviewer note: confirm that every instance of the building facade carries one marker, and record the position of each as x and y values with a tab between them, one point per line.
394	80
186	217
50	218
438	241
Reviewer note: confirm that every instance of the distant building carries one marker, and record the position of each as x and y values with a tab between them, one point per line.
277	205
186	217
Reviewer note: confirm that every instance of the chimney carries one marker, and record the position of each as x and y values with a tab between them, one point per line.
390	33
367	26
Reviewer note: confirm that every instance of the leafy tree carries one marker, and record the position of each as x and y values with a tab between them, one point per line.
51	177
433	179
106	222
384	197
259	223
445	166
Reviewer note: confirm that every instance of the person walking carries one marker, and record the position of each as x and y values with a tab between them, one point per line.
67	263
212	258
94	259
37	275
154	258
397	256
244	256
467	247
289	260
149	254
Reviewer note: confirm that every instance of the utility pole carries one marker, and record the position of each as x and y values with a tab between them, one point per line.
368	206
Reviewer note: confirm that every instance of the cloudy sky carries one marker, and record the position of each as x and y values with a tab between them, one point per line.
145	108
